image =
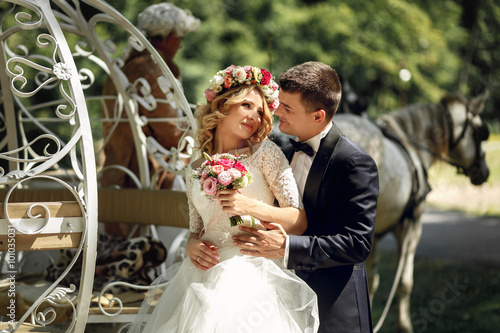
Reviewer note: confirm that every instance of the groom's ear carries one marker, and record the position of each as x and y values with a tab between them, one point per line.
319	116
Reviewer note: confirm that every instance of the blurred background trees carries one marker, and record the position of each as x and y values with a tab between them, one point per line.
391	52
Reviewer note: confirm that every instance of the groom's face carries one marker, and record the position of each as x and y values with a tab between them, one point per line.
293	117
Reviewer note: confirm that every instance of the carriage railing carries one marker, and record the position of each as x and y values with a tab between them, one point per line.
55	57
176	155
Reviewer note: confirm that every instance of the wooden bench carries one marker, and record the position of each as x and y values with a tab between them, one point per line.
150	207
135	206
65	228
34	226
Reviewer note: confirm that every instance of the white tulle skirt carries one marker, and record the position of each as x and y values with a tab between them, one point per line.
240	294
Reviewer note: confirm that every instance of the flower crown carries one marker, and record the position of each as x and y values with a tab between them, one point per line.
235	75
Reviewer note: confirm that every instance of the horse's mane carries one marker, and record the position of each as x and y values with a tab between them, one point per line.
422	122
408	120
450	98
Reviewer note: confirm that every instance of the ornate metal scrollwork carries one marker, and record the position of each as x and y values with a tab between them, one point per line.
54	56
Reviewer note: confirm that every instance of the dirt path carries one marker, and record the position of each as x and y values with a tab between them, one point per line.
457	236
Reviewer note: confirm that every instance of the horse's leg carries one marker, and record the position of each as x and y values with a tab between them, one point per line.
412	231
372	270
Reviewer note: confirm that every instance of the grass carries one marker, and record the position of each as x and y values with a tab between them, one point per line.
446	297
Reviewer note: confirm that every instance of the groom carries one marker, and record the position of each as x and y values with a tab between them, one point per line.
339	184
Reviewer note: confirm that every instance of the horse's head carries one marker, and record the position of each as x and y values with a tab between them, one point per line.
466	133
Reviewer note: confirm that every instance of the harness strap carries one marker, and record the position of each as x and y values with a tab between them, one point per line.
420	185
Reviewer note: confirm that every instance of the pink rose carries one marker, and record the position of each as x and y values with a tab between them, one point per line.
203	176
217	169
274	105
210	186
210	95
266	77
229	69
228	81
226	163
225	178
240	167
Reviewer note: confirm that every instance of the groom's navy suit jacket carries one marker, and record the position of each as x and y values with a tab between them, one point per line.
340	200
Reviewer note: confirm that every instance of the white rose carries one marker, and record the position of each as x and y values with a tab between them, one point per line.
240	74
216	83
236	173
268	92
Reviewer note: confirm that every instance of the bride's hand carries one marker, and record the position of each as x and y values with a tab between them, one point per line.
202	253
232	201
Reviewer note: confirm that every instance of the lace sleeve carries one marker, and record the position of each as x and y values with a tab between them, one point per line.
279	175
195	221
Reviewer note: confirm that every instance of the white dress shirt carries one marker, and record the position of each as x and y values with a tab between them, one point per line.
301	164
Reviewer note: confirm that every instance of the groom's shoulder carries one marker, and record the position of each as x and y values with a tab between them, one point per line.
351	146
348	151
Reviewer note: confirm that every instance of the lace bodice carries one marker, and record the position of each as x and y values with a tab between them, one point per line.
272	178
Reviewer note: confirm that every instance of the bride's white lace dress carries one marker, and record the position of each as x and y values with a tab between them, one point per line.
241	293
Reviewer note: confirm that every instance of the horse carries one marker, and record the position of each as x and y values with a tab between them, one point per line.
404	144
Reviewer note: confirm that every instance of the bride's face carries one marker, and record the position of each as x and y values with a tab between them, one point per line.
244	118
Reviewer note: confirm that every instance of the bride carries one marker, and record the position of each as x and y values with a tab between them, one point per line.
218	289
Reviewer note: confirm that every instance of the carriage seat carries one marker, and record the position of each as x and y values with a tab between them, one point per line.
135	206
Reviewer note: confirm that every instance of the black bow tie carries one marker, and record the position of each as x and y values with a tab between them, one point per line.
301	146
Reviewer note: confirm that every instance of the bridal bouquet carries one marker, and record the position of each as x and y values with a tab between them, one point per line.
224	171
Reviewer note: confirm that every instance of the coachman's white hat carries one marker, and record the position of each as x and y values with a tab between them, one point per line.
164	18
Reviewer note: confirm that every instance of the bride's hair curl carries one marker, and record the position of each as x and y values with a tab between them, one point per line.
211	114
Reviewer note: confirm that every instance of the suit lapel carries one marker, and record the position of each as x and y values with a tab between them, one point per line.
317	171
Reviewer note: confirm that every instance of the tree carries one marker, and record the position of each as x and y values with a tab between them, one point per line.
369	42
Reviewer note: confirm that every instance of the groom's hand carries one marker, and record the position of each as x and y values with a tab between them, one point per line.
262	243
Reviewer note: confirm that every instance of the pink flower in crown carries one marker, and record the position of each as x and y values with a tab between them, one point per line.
210	95
210	186
274	105
229	69
225	178
226	163
266	77
217	169
228	81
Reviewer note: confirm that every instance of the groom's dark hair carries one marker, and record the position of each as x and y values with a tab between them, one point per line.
318	85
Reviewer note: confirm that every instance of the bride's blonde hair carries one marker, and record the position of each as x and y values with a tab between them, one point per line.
211	114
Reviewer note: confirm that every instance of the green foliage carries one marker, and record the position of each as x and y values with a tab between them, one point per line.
442	44
484	47
368	42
